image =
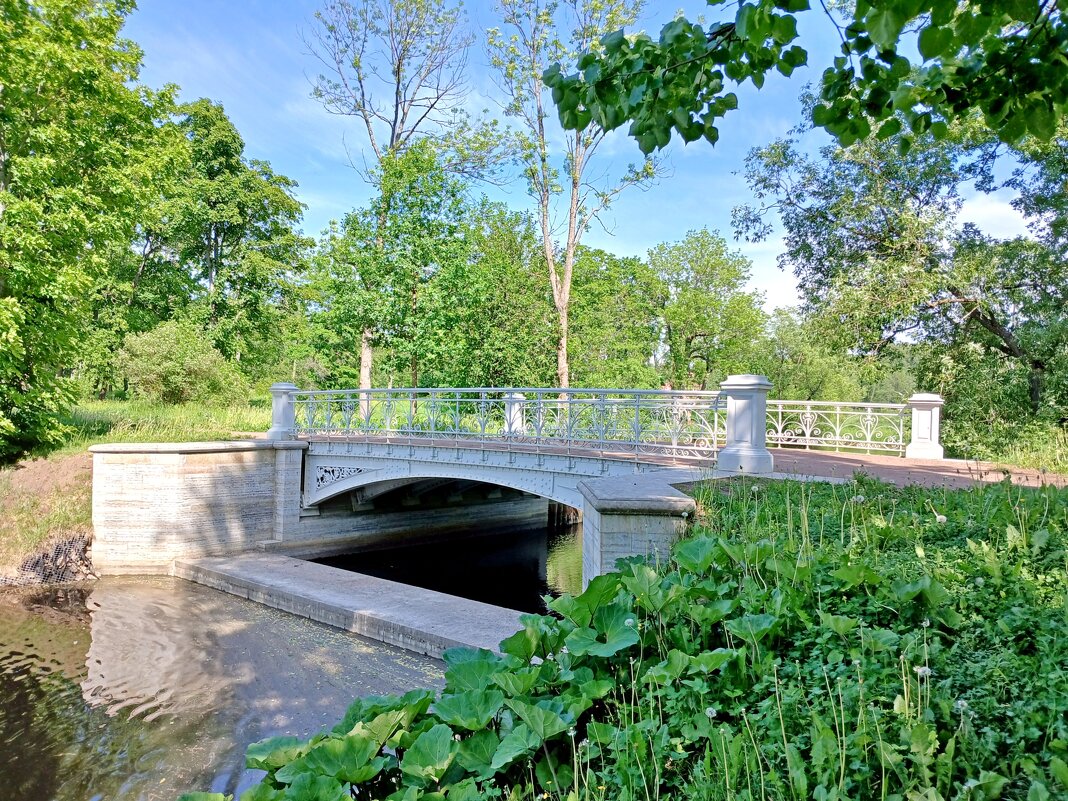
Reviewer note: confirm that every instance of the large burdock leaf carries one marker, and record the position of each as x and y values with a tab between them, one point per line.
348	759
469	669
519	742
470	710
430	755
316	788
274	752
543	721
752	628
477	751
580	609
696	556
614	629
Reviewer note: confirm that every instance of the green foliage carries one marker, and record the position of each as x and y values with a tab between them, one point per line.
615	319
797	359
809	640
974	56
73	125
176	363
710	321
872	237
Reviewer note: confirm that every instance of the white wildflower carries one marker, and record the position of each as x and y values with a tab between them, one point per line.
710	712
940	519
857	499
926	623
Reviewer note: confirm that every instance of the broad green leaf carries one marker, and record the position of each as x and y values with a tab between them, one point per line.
884	23
1059	769
262	792
708	661
516	682
348	759
470	710
431	754
752	628
476	752
544	723
316	788
519	742
644	583
274	752
470	675
204	797
839	624
696	555
935	41
614	628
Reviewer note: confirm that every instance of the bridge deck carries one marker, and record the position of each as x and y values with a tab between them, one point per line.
824	464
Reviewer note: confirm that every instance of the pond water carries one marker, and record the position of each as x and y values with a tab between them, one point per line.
509	568
145	688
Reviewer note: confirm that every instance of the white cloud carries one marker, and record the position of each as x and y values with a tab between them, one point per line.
994	215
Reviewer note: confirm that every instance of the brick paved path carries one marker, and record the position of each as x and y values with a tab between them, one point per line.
894	469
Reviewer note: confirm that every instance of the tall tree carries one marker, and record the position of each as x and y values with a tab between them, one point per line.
873	240
488	320
399	67
710	322
374	267
74	123
533	35
233	227
1004	59
615	321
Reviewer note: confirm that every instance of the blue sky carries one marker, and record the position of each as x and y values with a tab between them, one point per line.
250	57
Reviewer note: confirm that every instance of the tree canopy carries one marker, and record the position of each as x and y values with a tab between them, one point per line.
905	66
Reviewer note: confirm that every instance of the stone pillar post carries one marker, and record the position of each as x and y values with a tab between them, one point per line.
747	412
283	412
926	412
515	416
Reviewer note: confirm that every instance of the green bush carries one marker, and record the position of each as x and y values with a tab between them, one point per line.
810	641
176	363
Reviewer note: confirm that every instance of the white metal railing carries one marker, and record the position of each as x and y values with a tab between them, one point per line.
731	426
840	426
632	422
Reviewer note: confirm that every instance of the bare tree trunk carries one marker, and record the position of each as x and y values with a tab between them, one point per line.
366	354
563	370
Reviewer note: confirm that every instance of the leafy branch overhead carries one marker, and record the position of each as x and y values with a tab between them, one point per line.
906	66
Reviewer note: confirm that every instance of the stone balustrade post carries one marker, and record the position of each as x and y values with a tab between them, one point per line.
926	426
515	416
283	412
747	412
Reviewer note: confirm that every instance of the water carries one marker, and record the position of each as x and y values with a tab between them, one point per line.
514	569
145	688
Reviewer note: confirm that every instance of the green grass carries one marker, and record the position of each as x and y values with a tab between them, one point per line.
93	422
30	517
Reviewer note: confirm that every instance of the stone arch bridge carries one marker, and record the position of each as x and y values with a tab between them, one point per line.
346	470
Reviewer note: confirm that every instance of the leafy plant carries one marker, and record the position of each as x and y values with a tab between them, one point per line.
809	640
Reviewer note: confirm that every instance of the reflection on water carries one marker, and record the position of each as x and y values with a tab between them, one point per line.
144	688
513	569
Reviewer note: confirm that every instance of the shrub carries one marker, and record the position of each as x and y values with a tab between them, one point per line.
810	641
175	363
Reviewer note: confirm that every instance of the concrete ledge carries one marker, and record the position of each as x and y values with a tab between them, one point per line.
409	617
644	493
199	447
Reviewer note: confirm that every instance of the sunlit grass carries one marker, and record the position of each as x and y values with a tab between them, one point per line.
30	517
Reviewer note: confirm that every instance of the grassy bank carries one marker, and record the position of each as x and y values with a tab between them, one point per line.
806	640
50	495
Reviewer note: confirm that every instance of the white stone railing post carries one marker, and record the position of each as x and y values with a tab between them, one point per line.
747	411
283	412
926	424
515	416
